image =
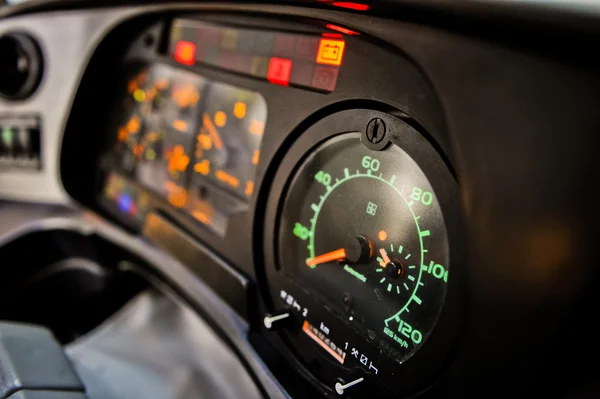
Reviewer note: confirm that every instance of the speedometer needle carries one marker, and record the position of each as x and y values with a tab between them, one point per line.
338	254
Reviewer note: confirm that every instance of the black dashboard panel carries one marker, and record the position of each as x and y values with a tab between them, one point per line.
501	125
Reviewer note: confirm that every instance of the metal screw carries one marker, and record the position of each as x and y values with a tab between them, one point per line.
347	300
375	130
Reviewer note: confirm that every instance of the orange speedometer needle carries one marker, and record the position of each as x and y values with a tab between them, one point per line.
338	254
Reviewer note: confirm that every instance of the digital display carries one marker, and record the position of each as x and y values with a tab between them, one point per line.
192	141
304	60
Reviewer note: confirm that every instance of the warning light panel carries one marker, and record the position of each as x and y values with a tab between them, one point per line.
286	59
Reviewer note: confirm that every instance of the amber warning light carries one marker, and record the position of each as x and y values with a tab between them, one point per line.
330	52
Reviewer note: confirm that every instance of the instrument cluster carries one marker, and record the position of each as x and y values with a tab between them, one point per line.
189	140
357	217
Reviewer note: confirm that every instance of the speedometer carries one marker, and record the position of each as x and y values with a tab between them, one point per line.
363	275
365	231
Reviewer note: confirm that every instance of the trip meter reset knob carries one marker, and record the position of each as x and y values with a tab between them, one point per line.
341	388
277	320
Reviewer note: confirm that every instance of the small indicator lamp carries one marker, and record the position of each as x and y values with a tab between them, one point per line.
239	110
330	52
341	29
382	235
220	118
332	35
125	203
185	52
139	95
279	71
351	5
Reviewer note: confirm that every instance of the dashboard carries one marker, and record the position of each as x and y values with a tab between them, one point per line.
389	202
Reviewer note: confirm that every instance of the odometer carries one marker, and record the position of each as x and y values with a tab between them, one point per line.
365	231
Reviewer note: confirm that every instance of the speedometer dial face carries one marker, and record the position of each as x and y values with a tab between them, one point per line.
363	231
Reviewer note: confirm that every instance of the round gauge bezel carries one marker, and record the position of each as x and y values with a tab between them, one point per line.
428	362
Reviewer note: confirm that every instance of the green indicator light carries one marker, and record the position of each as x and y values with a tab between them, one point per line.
7	136
389	287
356	274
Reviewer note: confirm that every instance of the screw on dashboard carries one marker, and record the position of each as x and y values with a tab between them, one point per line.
375	130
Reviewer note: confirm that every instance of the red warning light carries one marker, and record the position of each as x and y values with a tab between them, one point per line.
279	71
351	6
185	52
330	52
341	29
332	35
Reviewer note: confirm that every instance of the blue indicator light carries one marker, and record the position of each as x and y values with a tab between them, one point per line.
125	203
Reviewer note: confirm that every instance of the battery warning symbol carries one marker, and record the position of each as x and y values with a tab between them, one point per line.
330	52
